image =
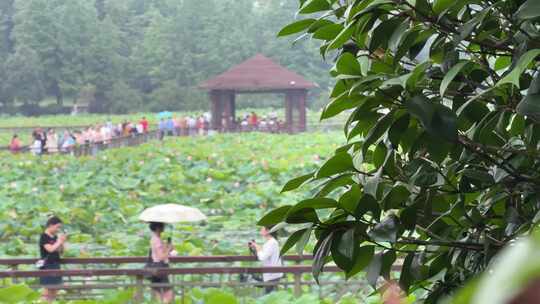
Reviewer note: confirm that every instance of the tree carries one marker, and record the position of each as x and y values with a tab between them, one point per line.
440	165
24	82
104	65
6	27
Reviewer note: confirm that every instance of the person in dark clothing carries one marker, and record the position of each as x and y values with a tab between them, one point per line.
43	136
51	245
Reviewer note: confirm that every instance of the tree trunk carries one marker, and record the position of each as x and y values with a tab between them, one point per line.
100	7
58	93
98	103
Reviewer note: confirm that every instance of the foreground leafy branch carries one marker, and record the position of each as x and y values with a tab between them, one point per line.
440	165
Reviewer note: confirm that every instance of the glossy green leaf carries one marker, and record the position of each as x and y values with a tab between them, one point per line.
339	163
437	119
406	276
347	64
274	217
398	128
296	27
502	63
302	216
449	77
295	183
301	244
377	131
293	240
314	203
343	247
385	231
342	103
374	270
313	6
362	260
522	64
469	27
530	104
380	35
342	37
328	32
528	10
319	256
350	199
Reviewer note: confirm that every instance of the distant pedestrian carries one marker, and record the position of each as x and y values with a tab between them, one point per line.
52	142
169	125
162	128
15	146
145	124
51	245
36	146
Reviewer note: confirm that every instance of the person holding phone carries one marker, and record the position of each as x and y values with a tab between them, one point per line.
269	255
51	245
159	258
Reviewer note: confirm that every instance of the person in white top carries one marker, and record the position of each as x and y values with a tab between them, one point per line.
269	255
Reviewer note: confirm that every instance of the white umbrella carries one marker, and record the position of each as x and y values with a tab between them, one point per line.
172	213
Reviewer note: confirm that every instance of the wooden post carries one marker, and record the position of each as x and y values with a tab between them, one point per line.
139	290
297	285
302	109
15	268
288	111
216	110
233	109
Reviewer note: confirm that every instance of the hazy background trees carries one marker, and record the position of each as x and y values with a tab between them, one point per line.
137	55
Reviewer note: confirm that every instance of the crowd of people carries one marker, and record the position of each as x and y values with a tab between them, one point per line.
184	125
52	141
52	243
266	123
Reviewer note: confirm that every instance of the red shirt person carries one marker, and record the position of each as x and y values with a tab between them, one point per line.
15	145
144	124
253	119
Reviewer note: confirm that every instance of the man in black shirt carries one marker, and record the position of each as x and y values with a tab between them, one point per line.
50	246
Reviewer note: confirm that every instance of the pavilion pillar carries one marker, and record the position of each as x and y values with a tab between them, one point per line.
295	110
302	97
229	110
216	109
289	97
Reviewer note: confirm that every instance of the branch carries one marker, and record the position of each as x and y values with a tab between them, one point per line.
456	244
450	30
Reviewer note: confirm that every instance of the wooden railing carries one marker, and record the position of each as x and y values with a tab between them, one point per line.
183	278
94	148
138	260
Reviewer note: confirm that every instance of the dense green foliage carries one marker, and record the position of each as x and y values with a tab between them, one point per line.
233	179
133	55
23	294
441	165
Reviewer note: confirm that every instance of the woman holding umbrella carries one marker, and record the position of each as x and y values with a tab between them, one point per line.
159	255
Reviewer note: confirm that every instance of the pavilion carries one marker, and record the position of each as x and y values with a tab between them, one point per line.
258	74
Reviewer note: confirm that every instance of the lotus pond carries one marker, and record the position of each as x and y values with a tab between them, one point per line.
234	179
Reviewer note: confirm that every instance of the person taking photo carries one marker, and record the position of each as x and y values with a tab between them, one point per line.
269	255
51	245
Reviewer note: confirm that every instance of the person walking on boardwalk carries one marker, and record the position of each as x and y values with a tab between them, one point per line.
269	255
15	145
159	258
51	245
